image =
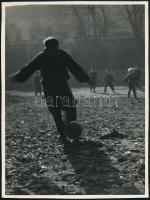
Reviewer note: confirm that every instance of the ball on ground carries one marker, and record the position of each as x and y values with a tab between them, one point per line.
74	130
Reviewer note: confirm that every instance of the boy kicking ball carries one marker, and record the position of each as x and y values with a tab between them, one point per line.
54	65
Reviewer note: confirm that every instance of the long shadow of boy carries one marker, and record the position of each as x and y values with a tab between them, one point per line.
94	169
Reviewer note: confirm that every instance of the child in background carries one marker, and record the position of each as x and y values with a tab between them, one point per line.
37	83
93	77
108	81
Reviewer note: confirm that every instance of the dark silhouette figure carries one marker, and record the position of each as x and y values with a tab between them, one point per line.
93	77
138	78
108	81
54	65
132	78
37	84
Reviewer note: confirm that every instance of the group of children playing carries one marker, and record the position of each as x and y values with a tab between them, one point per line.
132	78
54	65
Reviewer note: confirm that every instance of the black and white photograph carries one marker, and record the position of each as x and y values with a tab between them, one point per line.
75	99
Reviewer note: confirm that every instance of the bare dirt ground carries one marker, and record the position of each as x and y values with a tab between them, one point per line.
109	160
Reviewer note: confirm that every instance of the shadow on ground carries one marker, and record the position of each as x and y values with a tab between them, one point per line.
95	171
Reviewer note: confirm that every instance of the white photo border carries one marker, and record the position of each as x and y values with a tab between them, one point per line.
10	4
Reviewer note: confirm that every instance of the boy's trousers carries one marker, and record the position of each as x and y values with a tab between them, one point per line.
108	85
59	98
132	88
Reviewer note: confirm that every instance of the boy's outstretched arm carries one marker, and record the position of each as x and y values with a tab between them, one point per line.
76	70
23	74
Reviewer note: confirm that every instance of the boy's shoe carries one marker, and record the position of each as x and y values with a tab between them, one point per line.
65	140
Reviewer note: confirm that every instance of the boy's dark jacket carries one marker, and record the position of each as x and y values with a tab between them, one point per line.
54	65
108	78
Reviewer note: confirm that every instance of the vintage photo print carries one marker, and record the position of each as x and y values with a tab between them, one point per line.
75	99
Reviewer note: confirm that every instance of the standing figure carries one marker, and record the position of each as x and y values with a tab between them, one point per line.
54	65
93	78
108	81
37	83
138	78
130	78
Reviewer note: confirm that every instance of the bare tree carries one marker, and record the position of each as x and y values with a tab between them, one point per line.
135	15
81	29
91	26
104	20
99	20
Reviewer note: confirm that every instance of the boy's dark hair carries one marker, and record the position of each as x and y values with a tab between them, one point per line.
51	42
